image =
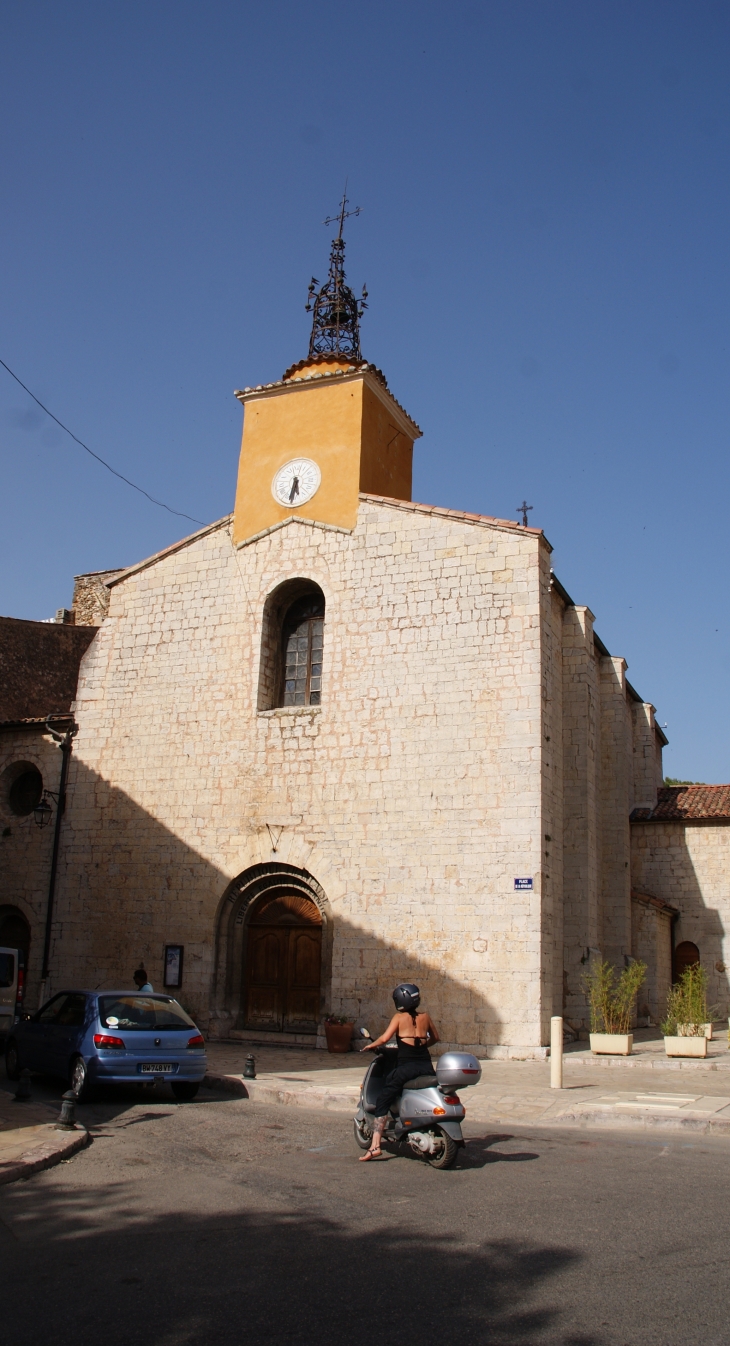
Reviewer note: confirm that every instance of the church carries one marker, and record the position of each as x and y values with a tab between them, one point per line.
340	739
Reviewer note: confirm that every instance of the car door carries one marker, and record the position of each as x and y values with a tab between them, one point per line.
65	1033
34	1037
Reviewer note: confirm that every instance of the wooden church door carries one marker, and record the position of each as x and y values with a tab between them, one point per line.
283	967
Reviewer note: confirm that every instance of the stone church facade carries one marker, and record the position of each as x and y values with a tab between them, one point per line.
339	739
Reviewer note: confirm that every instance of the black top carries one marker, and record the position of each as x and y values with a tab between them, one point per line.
412	1051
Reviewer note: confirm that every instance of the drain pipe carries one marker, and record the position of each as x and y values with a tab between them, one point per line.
65	742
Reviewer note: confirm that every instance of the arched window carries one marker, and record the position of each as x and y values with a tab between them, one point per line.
292	631
302	640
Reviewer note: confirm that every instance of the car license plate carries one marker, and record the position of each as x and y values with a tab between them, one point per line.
156	1070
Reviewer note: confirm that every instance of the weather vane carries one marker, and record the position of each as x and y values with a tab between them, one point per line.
523	508
337	313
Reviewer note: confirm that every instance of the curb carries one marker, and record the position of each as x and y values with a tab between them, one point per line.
259	1091
645	1121
645	1063
344	1100
52	1152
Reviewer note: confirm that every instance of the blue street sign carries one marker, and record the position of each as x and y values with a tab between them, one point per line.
523	885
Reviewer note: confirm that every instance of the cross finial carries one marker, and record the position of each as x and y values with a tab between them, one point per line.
343	213
523	509
337	313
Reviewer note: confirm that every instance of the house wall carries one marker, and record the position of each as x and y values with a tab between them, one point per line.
651	939
414	796
581	789
25	849
688	865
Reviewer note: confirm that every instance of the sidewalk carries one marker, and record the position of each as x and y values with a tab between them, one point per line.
28	1139
599	1091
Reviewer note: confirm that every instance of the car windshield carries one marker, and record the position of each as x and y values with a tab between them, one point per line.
132	1012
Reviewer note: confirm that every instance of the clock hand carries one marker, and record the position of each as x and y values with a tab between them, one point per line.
294	490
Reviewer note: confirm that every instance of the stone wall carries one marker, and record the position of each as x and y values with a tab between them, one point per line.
651	940
688	865
414	796
25	849
91	597
581	777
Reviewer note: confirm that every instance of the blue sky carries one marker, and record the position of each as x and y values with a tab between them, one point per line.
544	237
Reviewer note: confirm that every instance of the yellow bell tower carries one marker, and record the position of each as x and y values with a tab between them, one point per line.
329	429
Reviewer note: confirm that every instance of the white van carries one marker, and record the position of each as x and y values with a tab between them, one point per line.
12	986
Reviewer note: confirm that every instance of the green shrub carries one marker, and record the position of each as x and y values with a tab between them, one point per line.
687	1004
611	997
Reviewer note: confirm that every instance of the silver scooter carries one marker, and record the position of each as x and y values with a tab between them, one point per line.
428	1115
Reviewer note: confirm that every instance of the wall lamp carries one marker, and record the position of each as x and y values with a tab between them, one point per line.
43	811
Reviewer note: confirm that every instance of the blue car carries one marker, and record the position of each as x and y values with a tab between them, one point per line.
110	1037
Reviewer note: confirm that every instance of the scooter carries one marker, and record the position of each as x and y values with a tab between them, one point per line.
428	1115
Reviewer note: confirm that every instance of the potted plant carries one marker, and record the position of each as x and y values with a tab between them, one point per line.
687	1023
611	1000
338	1031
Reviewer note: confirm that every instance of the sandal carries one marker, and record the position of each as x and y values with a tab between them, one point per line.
371	1154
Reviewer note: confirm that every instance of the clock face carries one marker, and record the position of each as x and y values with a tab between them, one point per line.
296	482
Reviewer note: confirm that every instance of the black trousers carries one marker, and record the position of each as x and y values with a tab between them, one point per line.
393	1086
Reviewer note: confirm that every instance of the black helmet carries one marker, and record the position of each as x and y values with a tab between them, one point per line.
407	997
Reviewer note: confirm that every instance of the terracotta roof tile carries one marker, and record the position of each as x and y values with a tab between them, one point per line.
691	802
39	666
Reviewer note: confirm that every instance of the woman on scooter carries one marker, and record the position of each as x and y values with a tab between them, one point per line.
414	1033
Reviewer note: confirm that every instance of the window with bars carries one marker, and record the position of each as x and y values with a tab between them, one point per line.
302	642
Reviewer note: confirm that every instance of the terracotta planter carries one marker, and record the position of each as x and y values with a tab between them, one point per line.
612	1044
683	1030
338	1037
686	1046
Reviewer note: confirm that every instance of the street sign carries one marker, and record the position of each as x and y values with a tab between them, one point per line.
523	885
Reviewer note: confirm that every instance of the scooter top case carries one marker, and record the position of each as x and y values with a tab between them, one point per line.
457	1070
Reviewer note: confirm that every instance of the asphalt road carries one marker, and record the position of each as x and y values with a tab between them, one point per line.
225	1221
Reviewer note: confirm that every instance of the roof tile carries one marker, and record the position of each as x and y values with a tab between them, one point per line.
692	802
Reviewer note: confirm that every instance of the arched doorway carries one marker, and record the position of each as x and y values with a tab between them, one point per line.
14	930
283	964
686	955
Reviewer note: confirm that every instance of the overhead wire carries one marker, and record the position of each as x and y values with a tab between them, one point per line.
103	462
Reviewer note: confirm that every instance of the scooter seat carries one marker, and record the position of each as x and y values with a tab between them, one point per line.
421	1082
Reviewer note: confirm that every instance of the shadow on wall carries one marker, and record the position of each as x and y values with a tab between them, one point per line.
286	1276
662	864
128	886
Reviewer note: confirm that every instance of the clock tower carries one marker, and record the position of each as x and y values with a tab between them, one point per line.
326	431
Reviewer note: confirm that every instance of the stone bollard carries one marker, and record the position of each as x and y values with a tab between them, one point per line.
249	1070
67	1115
556	1052
22	1093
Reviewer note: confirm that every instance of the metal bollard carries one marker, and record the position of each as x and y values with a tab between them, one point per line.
249	1070
22	1093
67	1115
556	1052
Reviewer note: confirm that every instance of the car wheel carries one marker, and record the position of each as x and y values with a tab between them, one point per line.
79	1079
446	1154
185	1090
12	1061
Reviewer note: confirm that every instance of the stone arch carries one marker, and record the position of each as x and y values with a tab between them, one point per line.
239	901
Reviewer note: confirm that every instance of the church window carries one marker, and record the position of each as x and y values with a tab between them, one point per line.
302	643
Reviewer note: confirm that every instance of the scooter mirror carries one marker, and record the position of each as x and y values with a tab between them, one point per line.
364	1033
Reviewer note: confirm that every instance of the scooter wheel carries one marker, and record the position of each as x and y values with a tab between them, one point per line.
362	1135
446	1154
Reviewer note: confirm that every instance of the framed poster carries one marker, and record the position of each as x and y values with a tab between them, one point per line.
173	965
